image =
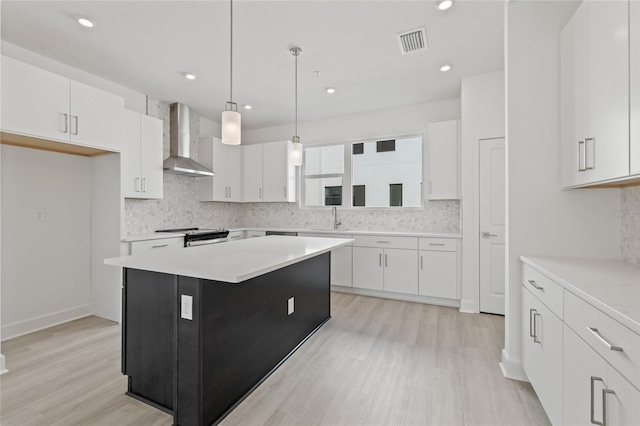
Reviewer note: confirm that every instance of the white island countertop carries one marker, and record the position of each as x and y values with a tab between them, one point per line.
612	286
234	261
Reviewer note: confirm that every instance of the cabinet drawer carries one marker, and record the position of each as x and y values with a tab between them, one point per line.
148	246
548	292
438	244
254	234
236	235
311	234
385	242
584	318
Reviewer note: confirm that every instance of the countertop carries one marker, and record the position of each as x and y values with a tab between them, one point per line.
612	286
234	261
159	235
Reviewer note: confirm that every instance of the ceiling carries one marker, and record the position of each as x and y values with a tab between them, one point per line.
148	45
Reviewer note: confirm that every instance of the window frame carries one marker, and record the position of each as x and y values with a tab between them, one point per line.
347	175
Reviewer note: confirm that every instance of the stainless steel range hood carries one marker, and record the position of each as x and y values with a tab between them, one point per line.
179	161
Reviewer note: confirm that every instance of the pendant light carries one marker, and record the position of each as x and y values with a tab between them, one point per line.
231	116
296	147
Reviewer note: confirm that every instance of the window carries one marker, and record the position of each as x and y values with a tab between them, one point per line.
358	196
364	174
395	195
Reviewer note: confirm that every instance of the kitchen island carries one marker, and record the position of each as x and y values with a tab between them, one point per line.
204	326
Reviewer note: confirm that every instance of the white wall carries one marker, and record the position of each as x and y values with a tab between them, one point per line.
542	218
46	274
483	117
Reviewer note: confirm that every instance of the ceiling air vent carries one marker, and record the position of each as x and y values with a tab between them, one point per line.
412	40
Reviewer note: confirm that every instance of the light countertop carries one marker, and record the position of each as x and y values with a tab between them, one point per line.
612	286
234	261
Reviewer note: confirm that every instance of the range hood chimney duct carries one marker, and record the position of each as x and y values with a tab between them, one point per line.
179	161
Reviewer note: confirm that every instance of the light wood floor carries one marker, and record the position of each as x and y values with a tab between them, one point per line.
376	362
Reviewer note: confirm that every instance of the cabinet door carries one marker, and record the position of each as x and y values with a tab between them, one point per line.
573	77
367	268
213	154
634	52
95	117
234	173
607	146
341	266
34	102
542	354
442	160
151	154
623	407
580	364
252	173
438	274
278	176
401	271
130	155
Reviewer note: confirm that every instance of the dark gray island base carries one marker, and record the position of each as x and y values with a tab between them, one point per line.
200	369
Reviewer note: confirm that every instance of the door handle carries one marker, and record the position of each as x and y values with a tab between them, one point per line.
66	125
385	260
137	184
285	192
260	191
144	184
75	119
535	328
602	339
421	263
593	409
582	157
229	192
604	404
488	235
532	333
586	150
536	286
380	259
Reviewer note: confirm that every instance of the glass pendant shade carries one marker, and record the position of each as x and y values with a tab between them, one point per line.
296	152
231	128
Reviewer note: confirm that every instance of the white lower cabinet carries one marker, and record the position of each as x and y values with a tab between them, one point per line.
542	353
593	391
236	235
149	246
256	234
438	275
394	270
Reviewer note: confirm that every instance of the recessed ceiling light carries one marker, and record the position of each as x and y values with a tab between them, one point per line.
331	90
444	4
248	107
445	68
190	76
86	22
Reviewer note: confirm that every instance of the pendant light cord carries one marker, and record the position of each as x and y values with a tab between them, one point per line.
296	95
231	54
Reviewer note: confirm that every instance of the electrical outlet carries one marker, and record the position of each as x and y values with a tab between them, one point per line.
186	307
39	215
290	307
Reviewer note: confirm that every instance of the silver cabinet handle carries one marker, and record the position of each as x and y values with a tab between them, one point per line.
593	409
383	242
586	158
160	246
260	189
74	118
385	260
137	184
582	158
536	286
229	192
436	244
226	192
532	333
535	327
488	235
602	339
421	264
604	404
66	125
285	192
380	259
144	184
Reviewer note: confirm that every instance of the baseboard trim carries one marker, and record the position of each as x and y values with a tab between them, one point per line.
21	328
512	369
397	296
468	307
2	365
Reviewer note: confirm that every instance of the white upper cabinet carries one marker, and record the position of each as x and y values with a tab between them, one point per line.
226	163
44	105
142	174
595	93
252	173
278	174
442	160
634	81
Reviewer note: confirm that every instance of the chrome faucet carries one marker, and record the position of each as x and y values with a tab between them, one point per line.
336	222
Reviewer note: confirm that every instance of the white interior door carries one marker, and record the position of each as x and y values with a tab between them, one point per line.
492	226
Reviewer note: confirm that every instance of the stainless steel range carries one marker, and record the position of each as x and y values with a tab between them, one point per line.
199	237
